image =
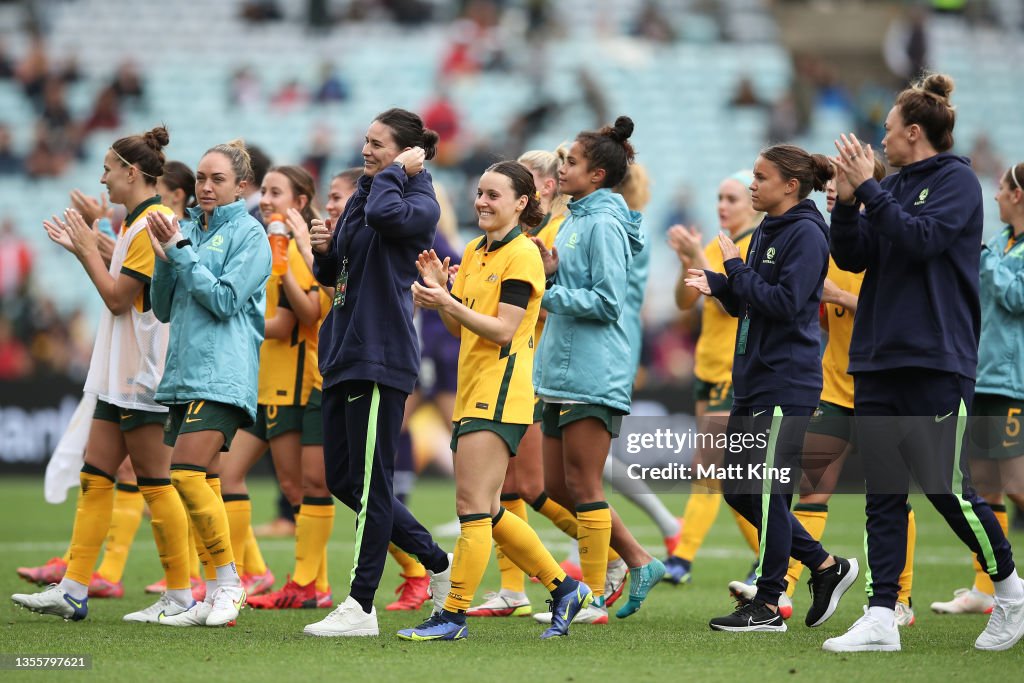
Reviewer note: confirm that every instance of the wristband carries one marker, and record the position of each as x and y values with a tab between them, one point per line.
175	238
180	244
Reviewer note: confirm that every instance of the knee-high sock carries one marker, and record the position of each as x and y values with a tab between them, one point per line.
813	517
640	494
209	572
238	507
559	516
92	519
521	544
313	526
907	575
982	581
323	580
595	533
511	575
472	551
170	530
411	567
207	512
254	562
124	522
700	513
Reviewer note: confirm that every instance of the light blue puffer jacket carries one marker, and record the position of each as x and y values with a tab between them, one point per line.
214	295
585	348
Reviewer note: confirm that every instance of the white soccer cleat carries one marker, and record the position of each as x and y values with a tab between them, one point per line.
866	635
1005	626
228	601
440	586
501	605
196	615
591	614
965	601
614	580
348	619
157	612
904	615
54	600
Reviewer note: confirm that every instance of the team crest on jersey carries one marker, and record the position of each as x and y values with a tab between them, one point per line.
921	198
769	256
573	239
215	243
493	277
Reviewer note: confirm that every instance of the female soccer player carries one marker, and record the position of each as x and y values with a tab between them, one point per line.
917	242
127	364
777	377
209	283
369	356
994	446
584	379
493	307
712	365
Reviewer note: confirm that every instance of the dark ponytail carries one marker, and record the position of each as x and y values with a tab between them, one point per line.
144	151
408	131
812	171
926	103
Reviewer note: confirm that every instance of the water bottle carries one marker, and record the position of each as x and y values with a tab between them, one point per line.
277	232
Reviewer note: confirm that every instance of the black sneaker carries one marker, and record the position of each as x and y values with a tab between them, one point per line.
753	616
827	588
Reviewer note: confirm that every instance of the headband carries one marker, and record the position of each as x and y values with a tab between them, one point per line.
127	163
1013	174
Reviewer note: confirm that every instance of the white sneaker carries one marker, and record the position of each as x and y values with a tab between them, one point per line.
195	615
228	601
440	586
614	581
1005	626
54	600
157	612
745	592
904	615
591	614
501	605
348	619
965	601
866	635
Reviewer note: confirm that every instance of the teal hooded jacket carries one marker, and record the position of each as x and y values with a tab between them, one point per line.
213	293
585	353
1001	349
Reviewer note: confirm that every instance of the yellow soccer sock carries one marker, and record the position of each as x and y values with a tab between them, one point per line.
124	522
982	581
472	551
238	507
748	530
92	519
522	545
411	567
67	555
701	511
595	533
209	572
813	517
512	577
255	565
612	555
907	576
207	512
170	530
323	581
313	526
560	517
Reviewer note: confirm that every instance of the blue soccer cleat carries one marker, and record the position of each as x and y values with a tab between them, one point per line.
677	571
565	610
641	580
437	627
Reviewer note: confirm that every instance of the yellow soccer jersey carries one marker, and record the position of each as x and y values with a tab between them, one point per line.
717	343
837	385
140	260
547	233
496	383
288	372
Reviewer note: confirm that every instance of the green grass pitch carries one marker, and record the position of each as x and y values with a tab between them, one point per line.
668	640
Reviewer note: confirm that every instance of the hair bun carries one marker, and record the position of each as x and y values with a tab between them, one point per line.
158	138
940	85
823	171
622	129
